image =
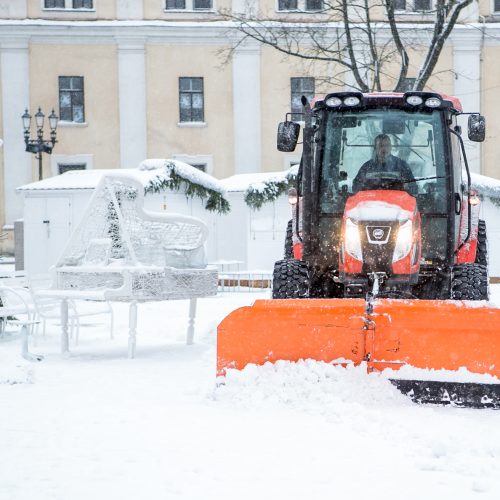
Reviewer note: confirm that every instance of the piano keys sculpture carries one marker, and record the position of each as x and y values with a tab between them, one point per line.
123	252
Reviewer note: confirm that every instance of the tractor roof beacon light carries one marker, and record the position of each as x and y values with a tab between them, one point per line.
333	102
433	102
414	100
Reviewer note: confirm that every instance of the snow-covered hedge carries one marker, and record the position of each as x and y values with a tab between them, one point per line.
175	175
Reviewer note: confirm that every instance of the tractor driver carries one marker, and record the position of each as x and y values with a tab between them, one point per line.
384	161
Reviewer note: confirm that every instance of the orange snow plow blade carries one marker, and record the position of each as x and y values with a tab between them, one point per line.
422	334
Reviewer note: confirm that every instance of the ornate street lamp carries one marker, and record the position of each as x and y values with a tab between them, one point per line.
39	145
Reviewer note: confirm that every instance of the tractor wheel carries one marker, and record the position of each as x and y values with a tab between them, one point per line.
469	282
290	279
482	244
288	241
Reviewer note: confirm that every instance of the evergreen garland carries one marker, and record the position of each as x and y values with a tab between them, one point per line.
174	182
273	189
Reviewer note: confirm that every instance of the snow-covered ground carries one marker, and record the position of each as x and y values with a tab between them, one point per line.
98	426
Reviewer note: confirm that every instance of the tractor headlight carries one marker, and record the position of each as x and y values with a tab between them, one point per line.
404	241
352	240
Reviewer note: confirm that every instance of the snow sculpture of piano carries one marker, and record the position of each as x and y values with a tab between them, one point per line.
123	252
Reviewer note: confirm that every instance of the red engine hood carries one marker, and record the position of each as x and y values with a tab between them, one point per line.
381	205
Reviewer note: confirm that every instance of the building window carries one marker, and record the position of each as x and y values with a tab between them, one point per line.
407	84
202	4
314	5
189	5
496	6
413	6
54	4
83	4
175	4
191	102
200	166
68	4
71	107
288	4
306	5
65	167
300	87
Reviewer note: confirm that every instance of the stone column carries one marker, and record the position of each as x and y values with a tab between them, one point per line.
132	101
129	9
467	74
246	106
15	99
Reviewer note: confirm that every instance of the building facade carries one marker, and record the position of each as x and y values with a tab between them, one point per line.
136	79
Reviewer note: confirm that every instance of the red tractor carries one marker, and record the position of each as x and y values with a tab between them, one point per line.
370	227
408	225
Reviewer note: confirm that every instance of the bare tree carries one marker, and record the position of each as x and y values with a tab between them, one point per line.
365	39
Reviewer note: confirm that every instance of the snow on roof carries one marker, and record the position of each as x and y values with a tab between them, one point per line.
148	172
73	179
487	186
256	181
192	174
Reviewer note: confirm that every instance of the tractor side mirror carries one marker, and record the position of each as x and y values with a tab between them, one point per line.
288	135
477	128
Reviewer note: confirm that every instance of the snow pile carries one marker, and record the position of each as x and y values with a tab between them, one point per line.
308	385
461	375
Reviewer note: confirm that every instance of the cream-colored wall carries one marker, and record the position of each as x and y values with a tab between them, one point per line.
276	72
103	9
490	89
155	9
442	79
165	64
98	65
485	7
13	9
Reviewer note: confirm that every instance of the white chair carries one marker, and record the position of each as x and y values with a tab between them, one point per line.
47	309
13	306
16	310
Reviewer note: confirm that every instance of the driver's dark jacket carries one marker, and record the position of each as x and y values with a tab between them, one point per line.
393	164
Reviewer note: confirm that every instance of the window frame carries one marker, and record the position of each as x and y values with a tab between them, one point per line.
494	11
408	10
301	7
189	7
202	159
68	6
301	92
70	167
72	92
191	92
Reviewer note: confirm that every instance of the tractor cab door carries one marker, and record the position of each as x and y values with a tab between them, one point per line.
459	182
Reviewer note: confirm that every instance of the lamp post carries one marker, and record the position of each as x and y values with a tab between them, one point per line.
39	145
